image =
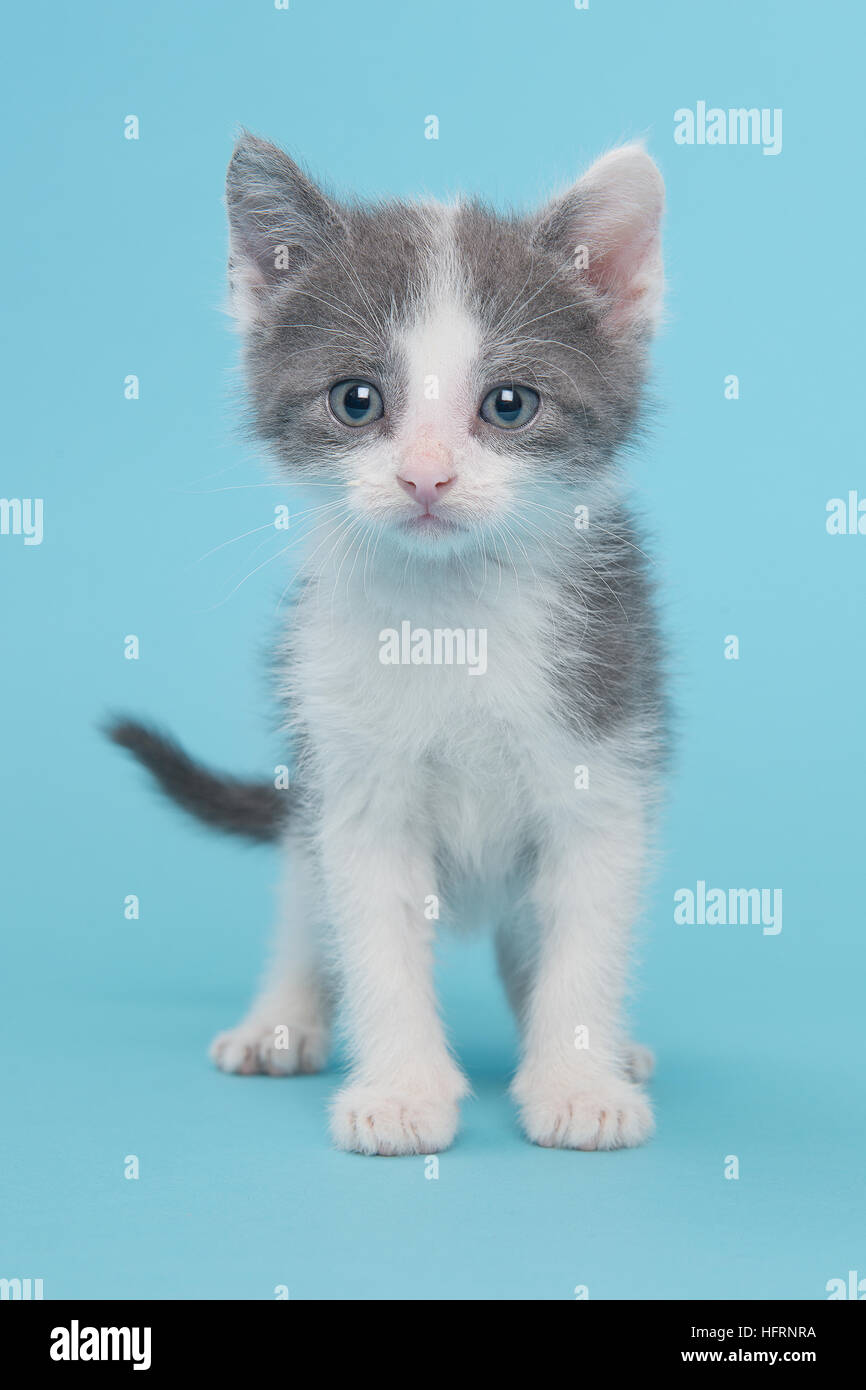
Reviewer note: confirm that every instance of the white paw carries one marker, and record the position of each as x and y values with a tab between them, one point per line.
639	1061
276	1049
598	1113
368	1120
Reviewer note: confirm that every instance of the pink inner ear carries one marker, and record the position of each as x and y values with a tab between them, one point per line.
631	277
621	202
620	257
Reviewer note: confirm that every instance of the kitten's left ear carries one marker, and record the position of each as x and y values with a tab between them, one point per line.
608	227
279	220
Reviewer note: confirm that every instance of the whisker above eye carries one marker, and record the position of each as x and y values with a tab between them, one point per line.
367	328
333	251
560	309
561	269
555	342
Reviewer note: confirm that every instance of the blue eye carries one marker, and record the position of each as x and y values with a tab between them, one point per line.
356	403
509	407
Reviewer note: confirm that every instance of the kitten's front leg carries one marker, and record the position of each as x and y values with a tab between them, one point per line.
404	1087
573	1085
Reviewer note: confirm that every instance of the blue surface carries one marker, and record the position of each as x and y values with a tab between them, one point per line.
114	265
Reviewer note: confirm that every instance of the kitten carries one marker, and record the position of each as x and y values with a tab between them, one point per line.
463	382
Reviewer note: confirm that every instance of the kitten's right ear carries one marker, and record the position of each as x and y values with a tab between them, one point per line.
279	221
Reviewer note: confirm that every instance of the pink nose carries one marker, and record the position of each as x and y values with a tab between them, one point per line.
426	481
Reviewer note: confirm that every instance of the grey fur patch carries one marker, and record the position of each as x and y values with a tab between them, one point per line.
608	654
542	326
336	318
256	810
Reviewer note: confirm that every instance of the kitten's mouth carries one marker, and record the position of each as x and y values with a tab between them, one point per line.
430	523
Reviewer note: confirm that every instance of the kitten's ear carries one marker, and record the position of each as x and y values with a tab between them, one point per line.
609	227
279	221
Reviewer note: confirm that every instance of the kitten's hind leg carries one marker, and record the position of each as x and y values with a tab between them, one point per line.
516	943
287	1029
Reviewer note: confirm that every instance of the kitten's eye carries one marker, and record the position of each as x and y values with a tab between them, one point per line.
356	403
509	407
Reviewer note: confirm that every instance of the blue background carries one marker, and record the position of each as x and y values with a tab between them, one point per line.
114	263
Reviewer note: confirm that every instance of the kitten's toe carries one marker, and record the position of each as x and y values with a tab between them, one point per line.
368	1121
274	1049
639	1061
604	1113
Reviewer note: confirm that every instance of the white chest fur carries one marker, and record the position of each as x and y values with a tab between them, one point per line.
482	738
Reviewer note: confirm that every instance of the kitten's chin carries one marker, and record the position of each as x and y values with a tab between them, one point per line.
430	534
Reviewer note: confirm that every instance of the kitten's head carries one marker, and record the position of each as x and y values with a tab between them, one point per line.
449	367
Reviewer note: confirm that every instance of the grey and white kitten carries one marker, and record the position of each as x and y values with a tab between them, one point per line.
464	383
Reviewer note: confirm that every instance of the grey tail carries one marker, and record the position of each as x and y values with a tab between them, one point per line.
254	809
